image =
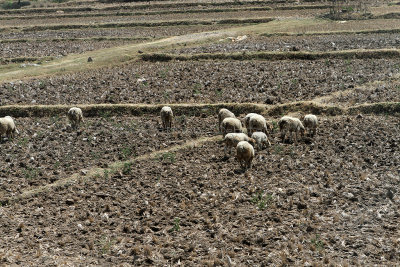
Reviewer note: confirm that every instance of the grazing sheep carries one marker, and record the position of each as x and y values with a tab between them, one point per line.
232	139
244	154
261	140
75	116
223	114
290	124
311	123
166	117
7	127
257	123
231	125
247	119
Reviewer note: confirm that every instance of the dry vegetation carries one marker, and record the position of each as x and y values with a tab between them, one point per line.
120	191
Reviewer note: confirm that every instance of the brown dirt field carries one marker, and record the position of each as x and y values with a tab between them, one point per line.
351	25
206	82
299	43
58	151
121	192
164	17
59	48
332	201
153	32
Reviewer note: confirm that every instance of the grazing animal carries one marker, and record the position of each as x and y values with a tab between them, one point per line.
7	127
311	124
292	125
166	117
75	116
245	154
231	125
223	114
261	140
257	123
232	139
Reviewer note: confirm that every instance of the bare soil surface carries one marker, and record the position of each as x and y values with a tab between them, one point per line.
47	149
299	43
164	17
153	32
385	92
270	82
331	200
58	48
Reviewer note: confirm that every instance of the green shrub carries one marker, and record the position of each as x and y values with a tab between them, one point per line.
15	5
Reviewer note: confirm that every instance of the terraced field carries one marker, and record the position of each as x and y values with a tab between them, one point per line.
120	190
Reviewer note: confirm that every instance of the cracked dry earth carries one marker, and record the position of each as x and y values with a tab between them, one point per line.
328	201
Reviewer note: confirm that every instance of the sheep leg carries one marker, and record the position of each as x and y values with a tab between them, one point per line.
226	149
283	136
243	164
314	131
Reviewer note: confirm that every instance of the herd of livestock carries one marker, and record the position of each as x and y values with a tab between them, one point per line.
240	135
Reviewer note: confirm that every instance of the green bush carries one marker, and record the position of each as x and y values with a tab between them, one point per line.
14	5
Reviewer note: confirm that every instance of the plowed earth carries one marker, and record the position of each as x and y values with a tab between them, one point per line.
165	17
114	32
269	82
332	200
58	48
300	43
47	149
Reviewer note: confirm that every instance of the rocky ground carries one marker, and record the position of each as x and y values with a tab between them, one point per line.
299	43
332	200
47	149
152	32
57	48
270	82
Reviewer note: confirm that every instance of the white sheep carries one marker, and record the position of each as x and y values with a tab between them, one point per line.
244	154
7	127
311	123
75	116
247	119
223	114
261	140
290	124
257	123
232	139
231	125
166	117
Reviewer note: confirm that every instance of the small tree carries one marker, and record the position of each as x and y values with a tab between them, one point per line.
345	9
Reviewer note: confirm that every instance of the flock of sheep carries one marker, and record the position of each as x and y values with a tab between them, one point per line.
243	136
253	132
8	128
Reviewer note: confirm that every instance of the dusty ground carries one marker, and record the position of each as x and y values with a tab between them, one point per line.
206	81
59	48
331	201
300	43
47	150
153	32
165	17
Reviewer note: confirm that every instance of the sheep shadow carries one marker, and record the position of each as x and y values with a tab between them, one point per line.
240	170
